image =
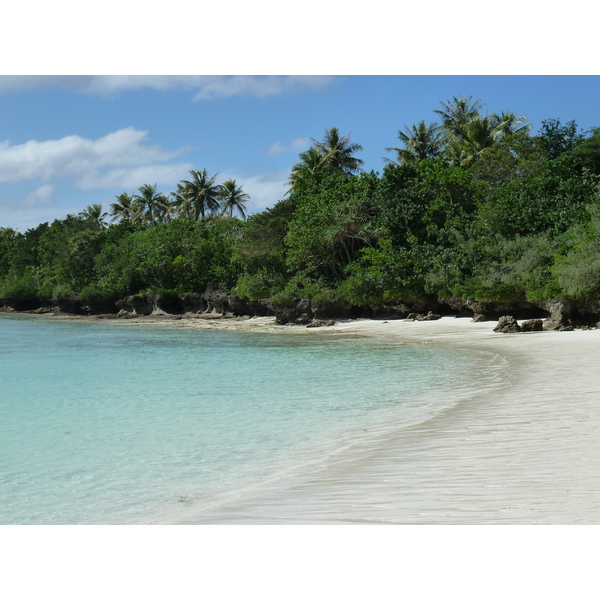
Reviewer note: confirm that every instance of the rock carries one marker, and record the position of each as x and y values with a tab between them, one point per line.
321	323
571	313
490	310
430	316
217	301
507	324
193	303
532	325
137	304
327	309
383	310
566	328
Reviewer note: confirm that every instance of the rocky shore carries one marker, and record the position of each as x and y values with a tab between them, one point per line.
554	314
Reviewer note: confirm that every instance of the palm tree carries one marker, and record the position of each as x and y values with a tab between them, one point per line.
181	202
481	133
457	113
124	208
477	135
310	162
421	141
94	214
153	206
201	192
338	152
233	197
507	123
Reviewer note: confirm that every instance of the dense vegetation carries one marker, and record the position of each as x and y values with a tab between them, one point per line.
476	207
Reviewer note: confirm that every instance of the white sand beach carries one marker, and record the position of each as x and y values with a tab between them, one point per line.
526	452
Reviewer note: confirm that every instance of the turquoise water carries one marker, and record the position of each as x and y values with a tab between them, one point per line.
120	423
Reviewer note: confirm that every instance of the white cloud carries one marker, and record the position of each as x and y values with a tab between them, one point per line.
297	145
88	162
206	87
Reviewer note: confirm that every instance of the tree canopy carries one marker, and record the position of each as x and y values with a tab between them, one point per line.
476	207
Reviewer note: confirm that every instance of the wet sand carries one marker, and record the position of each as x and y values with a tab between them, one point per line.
526	452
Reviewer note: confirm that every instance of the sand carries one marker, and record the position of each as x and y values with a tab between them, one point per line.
526	452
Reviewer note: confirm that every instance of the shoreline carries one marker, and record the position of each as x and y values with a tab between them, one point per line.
522	453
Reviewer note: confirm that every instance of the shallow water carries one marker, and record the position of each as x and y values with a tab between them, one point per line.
121	423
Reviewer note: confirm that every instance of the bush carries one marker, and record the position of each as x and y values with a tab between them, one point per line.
255	287
94	293
62	292
24	287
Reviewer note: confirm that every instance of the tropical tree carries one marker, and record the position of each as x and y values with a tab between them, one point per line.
200	194
338	152
507	123
94	214
153	206
457	113
311	161
233	197
180	202
124	208
420	141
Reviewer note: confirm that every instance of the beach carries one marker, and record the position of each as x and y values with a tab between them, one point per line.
524	452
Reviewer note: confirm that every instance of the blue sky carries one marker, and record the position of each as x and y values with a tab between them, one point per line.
70	141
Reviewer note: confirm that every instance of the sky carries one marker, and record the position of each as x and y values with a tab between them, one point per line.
68	141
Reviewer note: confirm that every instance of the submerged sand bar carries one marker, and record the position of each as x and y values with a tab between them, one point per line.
525	452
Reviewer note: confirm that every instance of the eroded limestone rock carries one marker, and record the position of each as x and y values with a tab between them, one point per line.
507	324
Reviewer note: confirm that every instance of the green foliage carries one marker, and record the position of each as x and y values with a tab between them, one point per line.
554	138
296	289
182	255
586	154
550	201
62	291
23	286
478	208
577	267
258	285
330	227
97	293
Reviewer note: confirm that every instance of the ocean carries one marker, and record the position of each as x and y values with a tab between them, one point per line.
121	423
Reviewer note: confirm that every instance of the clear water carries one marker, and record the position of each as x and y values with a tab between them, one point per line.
120	423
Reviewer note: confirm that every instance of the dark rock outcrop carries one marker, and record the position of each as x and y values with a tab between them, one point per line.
331	309
321	323
570	313
430	316
507	324
558	314
401	310
532	325
139	304
492	310
193	303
